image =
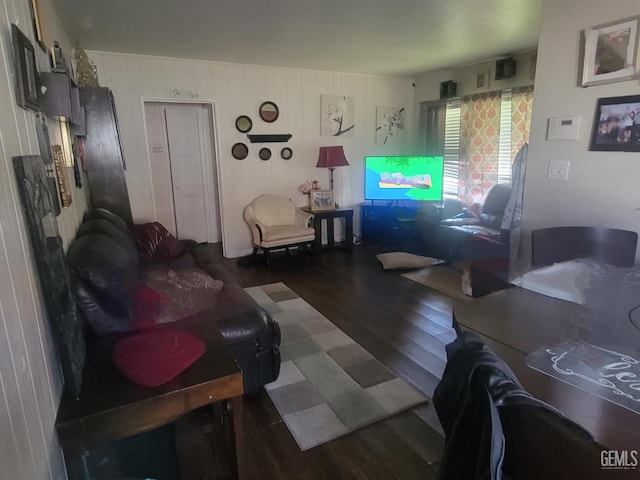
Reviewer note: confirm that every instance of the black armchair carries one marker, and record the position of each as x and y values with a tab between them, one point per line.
454	234
481	241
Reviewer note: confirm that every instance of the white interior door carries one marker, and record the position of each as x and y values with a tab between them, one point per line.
189	145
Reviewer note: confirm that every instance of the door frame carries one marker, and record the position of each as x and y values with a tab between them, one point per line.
215	149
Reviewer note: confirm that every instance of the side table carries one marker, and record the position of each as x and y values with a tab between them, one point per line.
329	216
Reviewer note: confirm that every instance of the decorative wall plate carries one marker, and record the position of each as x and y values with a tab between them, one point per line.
243	124
264	154
239	151
269	112
286	153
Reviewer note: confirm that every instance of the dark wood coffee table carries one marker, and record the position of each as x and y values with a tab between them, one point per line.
110	407
516	322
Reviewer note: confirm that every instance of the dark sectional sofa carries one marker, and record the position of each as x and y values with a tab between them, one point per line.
109	259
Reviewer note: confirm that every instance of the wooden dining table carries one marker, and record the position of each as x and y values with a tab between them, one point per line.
516	322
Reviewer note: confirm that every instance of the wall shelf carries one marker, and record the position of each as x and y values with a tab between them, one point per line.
274	137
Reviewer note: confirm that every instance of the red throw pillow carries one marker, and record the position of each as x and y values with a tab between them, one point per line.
155	242
147	305
153	358
170	247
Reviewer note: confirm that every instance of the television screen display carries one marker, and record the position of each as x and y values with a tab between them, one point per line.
403	178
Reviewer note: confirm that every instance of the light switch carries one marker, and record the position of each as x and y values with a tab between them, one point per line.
558	170
563	128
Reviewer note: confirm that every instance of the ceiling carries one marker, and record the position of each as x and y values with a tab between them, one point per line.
379	37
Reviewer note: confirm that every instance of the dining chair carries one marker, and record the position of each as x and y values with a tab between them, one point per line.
560	244
540	444
496	430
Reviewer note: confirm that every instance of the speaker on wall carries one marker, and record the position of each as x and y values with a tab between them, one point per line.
505	68
448	89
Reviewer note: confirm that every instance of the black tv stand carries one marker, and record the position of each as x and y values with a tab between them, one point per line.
390	225
411	204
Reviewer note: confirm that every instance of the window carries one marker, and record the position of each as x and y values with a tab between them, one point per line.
482	134
451	149
504	153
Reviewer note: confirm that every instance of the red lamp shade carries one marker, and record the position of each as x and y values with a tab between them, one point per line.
332	157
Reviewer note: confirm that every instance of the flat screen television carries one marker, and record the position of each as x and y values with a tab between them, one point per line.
403	178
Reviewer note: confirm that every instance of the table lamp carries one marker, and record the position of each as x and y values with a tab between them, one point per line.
331	157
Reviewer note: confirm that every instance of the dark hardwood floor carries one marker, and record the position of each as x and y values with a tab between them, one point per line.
396	320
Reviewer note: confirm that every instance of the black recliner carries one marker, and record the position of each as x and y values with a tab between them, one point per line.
453	233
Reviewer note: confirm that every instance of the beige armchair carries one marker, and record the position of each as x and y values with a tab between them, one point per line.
277	223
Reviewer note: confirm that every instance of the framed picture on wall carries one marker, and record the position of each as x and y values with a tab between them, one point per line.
611	52
26	72
37	27
616	127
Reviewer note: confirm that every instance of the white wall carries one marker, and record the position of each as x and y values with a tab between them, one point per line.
428	83
602	188
239	90
30	378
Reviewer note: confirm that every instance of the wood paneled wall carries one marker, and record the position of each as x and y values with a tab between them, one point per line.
30	378
237	90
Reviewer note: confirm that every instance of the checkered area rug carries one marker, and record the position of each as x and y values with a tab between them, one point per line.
328	384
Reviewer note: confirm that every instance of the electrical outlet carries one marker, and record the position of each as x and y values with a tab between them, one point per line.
558	170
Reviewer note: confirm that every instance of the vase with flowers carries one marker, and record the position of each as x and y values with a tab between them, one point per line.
309	185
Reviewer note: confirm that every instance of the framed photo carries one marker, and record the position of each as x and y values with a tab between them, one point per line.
321	200
611	52
37	28
482	79
533	61
63	184
26	72
42	132
616	127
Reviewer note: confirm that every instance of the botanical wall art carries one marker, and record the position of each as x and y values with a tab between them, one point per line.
337	115
390	123
610	52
